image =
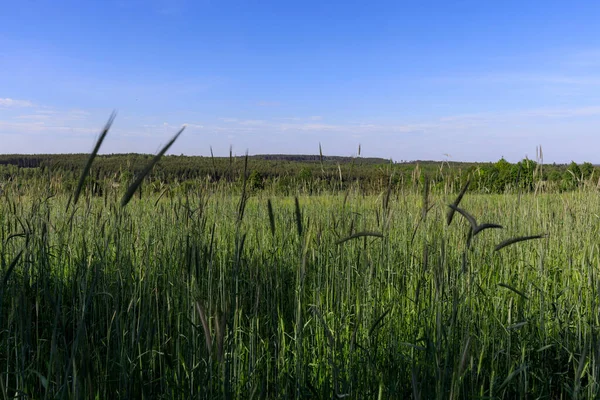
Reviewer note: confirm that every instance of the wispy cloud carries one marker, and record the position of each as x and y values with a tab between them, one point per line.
313	124
310	118
46	115
547	78
8	102
534	77
40	127
566	68
253	122
193	126
43	121
584	58
509	133
268	103
534	114
563	112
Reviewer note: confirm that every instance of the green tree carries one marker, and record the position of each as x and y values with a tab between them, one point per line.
305	174
571	176
586	170
255	180
507	175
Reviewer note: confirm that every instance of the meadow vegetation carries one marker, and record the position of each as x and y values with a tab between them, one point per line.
232	289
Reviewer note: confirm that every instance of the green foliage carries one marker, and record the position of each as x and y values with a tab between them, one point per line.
287	175
574	171
305	174
554	176
571	177
255	181
586	170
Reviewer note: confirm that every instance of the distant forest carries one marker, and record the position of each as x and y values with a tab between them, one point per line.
289	174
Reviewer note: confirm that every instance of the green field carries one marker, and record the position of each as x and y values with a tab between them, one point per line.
223	293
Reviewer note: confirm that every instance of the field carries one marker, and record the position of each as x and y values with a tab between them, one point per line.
224	293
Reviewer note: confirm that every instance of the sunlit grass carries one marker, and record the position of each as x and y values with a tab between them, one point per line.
179	297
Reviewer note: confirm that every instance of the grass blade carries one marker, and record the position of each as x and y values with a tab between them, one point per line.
271	217
140	178
486	226
205	327
358	235
378	322
321	159
465	214
514	290
244	196
457	202
328	333
214	165
298	217
474	226
508	242
425	205
464	357
88	165
518	325
11	267
510	377
580	367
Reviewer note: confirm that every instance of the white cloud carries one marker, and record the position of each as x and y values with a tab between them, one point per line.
194	126
8	102
46	122
39	117
41	127
54	117
253	122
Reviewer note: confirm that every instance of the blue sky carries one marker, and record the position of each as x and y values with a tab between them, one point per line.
474	80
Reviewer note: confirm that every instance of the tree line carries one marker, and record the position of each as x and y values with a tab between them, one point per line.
286	174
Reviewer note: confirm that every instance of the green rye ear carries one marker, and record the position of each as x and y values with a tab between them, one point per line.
88	165
140	178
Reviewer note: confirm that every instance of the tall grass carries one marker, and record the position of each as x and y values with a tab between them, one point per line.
207	295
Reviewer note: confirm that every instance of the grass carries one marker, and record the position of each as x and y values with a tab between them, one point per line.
298	297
